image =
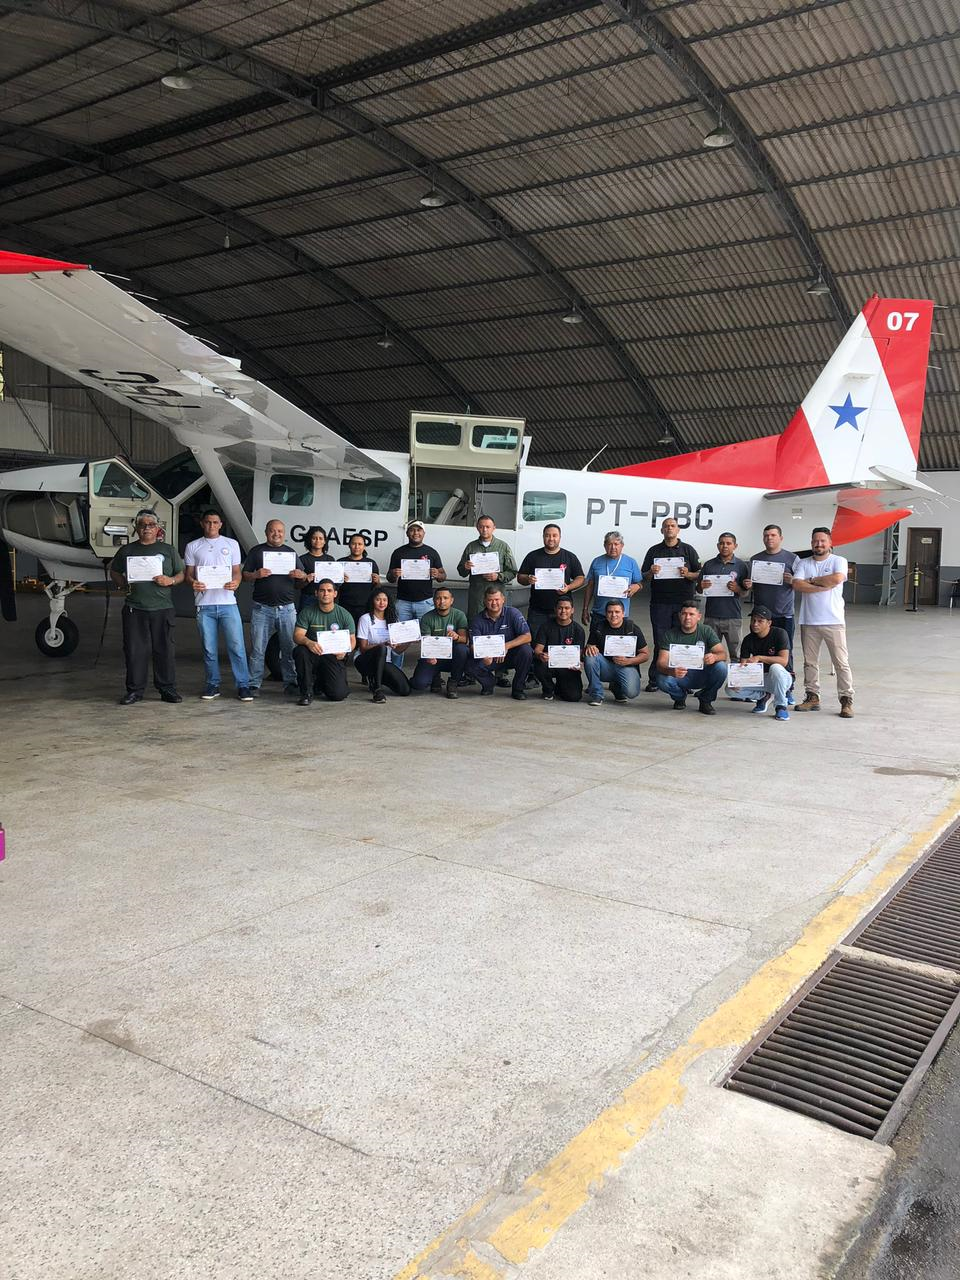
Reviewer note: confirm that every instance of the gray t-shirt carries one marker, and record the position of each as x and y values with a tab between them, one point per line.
779	600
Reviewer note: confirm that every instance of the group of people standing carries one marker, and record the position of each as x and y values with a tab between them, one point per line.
306	598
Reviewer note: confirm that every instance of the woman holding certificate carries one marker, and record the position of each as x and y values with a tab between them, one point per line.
376	651
360	573
315	553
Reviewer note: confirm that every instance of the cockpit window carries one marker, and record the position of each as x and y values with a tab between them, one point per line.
110	480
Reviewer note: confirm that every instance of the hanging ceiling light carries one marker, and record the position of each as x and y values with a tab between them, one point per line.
178	80
226	239
666	438
432	199
572	316
818	288
385	340
718	137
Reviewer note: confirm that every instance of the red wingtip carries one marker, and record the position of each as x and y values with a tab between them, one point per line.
21	264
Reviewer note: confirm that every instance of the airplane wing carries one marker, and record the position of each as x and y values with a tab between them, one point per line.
77	321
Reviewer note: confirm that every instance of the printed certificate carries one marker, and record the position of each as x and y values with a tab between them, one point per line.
489	647
688	656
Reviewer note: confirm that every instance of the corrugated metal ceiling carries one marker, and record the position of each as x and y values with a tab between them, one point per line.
586	145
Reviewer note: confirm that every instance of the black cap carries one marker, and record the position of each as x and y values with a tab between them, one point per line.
761	611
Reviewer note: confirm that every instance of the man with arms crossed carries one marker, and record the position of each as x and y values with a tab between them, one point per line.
559	682
679	681
217	611
620	671
543	601
443	620
769	646
820	579
668	593
723	612
499	618
315	663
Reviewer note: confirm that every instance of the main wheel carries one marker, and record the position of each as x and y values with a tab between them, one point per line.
59	640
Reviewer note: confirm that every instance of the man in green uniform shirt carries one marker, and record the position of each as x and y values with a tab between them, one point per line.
148	615
479	582
679	680
317	666
443	620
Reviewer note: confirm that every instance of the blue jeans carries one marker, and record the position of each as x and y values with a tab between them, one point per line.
777	682
624	682
265	619
212	621
407	611
706	683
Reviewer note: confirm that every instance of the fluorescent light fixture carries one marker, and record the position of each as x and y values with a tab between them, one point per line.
818	288
572	316
432	199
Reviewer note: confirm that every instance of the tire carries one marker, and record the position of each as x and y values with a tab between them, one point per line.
59	642
271	659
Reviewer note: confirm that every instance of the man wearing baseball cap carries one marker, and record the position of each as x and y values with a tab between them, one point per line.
770	647
414	595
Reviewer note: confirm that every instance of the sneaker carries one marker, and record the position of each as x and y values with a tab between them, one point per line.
762	704
650	687
595	702
547	697
254	691
619	697
170	695
679	704
707	709
791	700
781	713
379	697
210	692
245	695
305	700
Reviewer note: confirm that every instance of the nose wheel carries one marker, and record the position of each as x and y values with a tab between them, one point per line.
57	636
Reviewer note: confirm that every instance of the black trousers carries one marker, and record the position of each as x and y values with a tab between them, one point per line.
563	684
380	673
149	633
663	616
320	673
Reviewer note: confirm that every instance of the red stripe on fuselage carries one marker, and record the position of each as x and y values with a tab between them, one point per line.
749	464
22	264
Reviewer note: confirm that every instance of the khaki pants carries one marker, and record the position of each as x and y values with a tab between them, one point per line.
835	638
728	629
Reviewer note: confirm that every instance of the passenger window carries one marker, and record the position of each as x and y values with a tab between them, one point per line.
113	481
442	433
544	506
491	436
291	491
370	495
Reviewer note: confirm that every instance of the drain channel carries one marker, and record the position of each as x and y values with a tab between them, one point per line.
854	1043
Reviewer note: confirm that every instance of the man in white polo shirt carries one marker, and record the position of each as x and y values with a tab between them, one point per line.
819	579
217	609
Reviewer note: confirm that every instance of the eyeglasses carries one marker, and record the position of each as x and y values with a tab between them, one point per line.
148	524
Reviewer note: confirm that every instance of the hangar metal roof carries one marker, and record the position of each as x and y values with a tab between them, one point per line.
276	203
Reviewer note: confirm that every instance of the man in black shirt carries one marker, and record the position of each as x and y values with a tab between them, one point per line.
671	585
275	592
616	664
559	682
414	596
770	646
543	601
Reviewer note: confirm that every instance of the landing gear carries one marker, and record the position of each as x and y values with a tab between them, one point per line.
58	636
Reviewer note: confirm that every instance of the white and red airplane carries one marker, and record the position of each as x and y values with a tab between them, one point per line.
848	458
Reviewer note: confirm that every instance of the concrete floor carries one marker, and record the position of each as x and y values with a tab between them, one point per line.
285	992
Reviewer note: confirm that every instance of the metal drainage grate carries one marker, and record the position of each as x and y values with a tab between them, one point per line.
920	921
852	1046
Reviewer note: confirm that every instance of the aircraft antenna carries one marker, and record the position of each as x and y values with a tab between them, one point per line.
594	458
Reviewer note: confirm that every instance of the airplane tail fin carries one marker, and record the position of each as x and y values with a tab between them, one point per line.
865	408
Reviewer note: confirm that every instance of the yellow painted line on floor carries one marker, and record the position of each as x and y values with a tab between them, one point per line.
554	1193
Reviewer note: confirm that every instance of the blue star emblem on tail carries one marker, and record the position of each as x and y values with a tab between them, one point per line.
847	413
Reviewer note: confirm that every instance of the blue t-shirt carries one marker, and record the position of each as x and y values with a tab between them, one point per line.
614	567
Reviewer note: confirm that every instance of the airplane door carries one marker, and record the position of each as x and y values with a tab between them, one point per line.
115	495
